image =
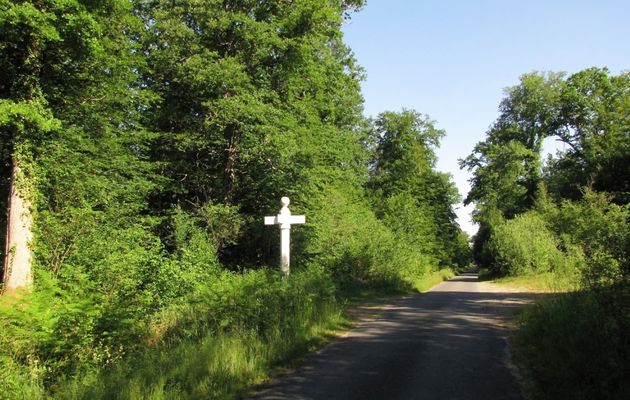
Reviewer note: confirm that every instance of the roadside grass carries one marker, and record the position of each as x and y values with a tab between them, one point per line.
368	302
576	345
543	282
573	343
411	283
431	279
225	365
218	366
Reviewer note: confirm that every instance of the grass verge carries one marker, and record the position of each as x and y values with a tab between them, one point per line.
576	345
545	282
219	366
432	278
273	325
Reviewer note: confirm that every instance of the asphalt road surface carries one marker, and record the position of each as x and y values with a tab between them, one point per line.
448	343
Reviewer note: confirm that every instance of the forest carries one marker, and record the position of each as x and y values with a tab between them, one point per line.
142	143
564	224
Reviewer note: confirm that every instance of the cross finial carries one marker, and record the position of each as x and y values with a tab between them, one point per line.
285	220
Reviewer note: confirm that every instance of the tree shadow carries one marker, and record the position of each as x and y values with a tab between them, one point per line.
447	343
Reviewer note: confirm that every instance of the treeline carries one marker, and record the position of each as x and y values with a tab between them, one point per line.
147	140
567	218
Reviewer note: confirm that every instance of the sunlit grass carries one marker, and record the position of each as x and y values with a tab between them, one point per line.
431	279
219	366
544	282
222	363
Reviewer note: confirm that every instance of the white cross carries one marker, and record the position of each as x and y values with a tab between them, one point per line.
285	220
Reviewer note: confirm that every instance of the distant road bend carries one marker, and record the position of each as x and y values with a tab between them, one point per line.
448	343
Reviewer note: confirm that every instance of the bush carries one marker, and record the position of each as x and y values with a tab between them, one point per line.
577	345
259	301
601	230
357	248
227	336
524	245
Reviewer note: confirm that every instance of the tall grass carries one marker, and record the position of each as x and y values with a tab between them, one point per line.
18	382
218	366
577	345
427	281
231	334
541	282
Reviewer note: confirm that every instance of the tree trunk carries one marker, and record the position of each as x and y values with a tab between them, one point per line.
16	269
17	256
230	166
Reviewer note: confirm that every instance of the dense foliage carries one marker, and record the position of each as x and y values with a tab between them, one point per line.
579	195
153	137
575	345
569	217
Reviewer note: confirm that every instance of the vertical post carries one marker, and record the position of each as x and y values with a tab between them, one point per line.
285	236
285	220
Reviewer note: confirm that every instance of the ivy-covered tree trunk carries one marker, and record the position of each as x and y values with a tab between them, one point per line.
17	255
231	136
17	265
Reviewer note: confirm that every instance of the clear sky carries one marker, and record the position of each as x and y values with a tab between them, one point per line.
452	59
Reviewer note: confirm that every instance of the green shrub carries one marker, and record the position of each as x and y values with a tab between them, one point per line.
252	301
228	336
524	245
577	345
357	248
601	230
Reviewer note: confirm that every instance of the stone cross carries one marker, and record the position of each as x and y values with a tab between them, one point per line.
285	220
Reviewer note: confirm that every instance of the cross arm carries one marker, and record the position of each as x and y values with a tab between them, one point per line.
284	219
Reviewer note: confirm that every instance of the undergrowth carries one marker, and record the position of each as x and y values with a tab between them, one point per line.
541	282
217	366
577	345
231	335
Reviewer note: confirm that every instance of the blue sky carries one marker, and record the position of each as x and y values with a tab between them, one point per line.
452	59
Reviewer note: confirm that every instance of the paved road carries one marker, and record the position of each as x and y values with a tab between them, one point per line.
449	343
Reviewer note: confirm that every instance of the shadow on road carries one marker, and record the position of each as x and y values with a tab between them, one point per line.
448	343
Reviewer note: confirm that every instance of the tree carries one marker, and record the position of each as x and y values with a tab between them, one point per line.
263	100
506	166
586	111
594	108
414	200
29	31
18	121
